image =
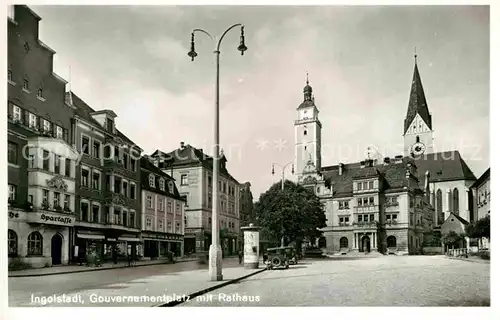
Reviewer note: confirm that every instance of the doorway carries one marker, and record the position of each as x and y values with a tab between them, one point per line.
365	242
56	249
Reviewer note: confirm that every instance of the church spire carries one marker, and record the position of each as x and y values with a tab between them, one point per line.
308	90
417	103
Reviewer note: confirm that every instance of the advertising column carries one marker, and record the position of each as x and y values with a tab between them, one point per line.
251	247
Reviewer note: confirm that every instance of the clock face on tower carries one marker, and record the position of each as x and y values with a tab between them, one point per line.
417	149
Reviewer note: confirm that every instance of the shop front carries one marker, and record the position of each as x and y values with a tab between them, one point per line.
39	238
157	245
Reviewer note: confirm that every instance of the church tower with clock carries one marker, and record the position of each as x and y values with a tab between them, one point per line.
307	134
418	134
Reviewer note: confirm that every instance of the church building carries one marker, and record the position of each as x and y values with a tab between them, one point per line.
391	204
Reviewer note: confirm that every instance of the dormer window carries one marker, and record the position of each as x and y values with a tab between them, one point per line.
151	180
9	75
39	92
26	83
171	187
109	125
162	184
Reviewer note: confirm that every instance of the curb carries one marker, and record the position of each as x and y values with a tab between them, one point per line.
91	270
209	289
471	260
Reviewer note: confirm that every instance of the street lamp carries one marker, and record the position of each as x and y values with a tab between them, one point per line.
215	251
283	168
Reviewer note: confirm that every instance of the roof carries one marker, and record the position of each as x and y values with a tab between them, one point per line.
191	156
484	177
393	175
84	111
443	166
146	168
459	218
417	103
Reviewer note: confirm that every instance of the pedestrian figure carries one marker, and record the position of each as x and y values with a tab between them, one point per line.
240	256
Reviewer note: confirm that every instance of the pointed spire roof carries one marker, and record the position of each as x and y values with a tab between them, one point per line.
417	103
308	95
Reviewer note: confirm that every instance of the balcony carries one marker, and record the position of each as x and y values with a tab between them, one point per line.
118	199
366	209
365	224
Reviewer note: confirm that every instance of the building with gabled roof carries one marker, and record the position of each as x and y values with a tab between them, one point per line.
389	203
192	170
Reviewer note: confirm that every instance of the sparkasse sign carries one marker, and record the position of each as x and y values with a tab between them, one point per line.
48	218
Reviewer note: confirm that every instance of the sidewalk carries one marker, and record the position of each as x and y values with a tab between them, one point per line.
77	268
470	259
155	291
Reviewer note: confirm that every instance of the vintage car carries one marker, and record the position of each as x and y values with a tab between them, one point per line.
278	257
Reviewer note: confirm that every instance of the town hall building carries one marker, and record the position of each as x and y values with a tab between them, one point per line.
387	204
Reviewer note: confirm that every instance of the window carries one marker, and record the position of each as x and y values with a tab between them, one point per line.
360	202
57	164
32	121
132	164
177	208
9	75
344	242
360	185
57	199
35	244
26	83
391	241
210	181
365	201
372	217
371	185
343	205
148	223
160	204
109	125
96	180
12	192
184	180
116	218
132	191
209	220
124	218
372	201
305	132
85	145
16	113
169	226
46	196
418	139
224	187
365	185
171	187
125	161
85	178
96	149
66	202
149	202
360	218
132	219
84	211
169	207
46	160
125	188
95	213
185	221
67	167
12	240
160	225
46	126
162	184
178	227
365	217
12	153
209	201
151	180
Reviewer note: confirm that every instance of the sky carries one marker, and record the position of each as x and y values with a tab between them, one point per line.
133	60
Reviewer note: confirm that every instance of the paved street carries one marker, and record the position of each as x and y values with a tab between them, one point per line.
384	281
21	289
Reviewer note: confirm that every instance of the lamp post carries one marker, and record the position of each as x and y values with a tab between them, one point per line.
215	251
283	168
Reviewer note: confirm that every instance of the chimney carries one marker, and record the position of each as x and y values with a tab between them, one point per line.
398	159
182	145
362	163
341	168
369	162
387	161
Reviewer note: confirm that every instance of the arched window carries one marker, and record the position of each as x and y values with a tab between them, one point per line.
151	180
170	187
344	243
439	205
12	242
455	198
305	132
35	244
391	241
418	139
162	184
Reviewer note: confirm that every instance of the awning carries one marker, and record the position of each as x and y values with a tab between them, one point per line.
111	239
90	236
129	239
